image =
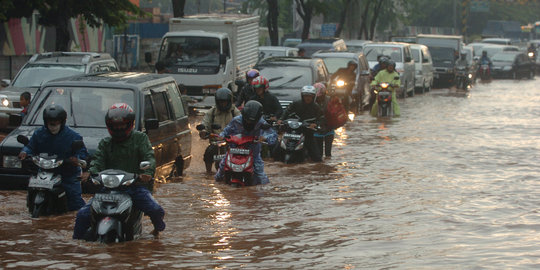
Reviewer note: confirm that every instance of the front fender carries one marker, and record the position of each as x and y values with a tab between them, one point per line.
108	224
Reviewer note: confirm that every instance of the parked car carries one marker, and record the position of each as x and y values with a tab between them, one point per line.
154	97
513	65
423	68
45	67
401	54
356	45
269	51
313	45
336	60
287	75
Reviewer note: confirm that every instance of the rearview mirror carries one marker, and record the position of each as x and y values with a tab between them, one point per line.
23	139
5	82
145	165
150	124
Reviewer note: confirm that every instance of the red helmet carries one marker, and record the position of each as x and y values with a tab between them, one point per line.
120	120
260	82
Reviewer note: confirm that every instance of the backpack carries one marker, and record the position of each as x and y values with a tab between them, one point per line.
336	115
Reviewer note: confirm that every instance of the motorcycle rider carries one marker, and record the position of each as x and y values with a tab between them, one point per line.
325	136
390	76
382	62
271	105
55	138
125	149
222	113
463	64
250	123
247	91
306	109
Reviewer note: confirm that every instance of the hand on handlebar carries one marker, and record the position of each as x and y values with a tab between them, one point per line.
85	176
22	155
312	126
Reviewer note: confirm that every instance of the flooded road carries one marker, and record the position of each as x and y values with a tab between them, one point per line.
452	182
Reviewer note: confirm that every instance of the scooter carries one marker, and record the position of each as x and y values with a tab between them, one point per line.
238	166
384	100
485	72
45	194
338	88
220	145
113	217
463	78
291	146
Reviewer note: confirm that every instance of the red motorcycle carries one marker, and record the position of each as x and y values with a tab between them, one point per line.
238	167
484	72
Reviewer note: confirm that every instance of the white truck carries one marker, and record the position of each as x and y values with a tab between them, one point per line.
445	50
208	51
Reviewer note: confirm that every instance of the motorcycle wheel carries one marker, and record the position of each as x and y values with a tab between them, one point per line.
110	237
287	159
38	211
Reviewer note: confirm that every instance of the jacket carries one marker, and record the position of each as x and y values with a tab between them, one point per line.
304	111
215	116
271	105
235	127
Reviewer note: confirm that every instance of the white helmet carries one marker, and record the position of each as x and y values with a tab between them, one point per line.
308	90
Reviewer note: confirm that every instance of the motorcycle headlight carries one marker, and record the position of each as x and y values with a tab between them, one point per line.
531	54
470	76
11	162
340	83
111	180
384	85
4	102
46	164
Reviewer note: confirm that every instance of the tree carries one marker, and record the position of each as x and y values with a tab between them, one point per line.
57	13
272	22
306	9
178	8
343	15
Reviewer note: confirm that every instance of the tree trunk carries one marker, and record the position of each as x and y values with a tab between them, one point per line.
305	11
363	25
178	8
342	18
376	12
62	35
272	22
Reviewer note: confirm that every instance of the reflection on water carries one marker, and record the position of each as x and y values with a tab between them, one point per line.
452	182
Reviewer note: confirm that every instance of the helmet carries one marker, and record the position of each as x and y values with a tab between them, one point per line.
484	53
321	89
120	120
260	82
251	113
223	94
252	73
392	63
352	63
54	112
308	90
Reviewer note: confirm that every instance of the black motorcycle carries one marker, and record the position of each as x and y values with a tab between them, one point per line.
463	78
339	88
113	216
45	194
290	148
384	99
219	145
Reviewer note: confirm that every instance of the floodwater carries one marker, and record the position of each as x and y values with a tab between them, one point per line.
452	183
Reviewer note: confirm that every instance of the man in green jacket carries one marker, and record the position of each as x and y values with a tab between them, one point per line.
124	150
390	76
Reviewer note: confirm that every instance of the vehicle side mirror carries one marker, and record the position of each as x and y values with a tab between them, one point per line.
5	82
200	127
222	59
148	57
145	165
23	139
77	145
15	120
150	124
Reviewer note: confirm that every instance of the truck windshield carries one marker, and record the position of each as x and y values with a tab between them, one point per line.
199	55
85	106
442	54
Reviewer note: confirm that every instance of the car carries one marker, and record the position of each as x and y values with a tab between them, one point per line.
287	75
477	48
317	44
336	60
291	42
492	49
269	51
401	54
498	41
513	65
423	68
158	106
44	67
356	45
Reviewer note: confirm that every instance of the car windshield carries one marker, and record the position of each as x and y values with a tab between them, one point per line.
335	63
86	107
503	57
36	74
287	76
372	52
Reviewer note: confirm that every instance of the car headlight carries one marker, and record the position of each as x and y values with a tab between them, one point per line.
4	102
11	162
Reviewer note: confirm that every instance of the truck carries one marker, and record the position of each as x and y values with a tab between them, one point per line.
206	52
445	52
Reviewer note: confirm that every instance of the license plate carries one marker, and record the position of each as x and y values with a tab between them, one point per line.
292	136
42	180
218	157
107	197
239	151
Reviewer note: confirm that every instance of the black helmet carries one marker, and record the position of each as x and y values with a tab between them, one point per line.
384	60
54	112
392	63
223	94
251	114
120	120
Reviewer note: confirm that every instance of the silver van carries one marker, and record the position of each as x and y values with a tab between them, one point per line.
423	68
401	54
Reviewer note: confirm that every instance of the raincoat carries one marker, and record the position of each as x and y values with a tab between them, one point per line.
387	77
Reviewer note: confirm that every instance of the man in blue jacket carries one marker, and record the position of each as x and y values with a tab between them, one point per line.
55	138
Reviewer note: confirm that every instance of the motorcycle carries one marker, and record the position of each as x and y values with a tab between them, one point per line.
238	166
384	99
484	72
463	78
45	194
291	146
339	87
113	217
220	145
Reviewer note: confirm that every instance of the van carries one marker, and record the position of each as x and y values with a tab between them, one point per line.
423	68
401	54
157	102
317	44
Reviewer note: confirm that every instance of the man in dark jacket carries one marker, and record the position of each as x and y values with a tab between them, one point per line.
306	109
271	105
125	149
247	91
55	138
